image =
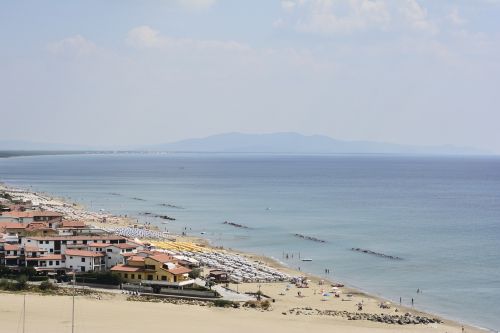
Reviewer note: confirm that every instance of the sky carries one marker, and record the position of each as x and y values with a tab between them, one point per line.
118	72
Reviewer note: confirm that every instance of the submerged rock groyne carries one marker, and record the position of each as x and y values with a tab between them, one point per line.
314	239
171	206
378	254
164	217
236	225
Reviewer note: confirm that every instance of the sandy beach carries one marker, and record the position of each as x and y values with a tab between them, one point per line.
115	314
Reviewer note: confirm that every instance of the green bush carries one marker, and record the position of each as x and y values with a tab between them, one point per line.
22	283
5	271
108	278
6	285
46	286
28	271
195	273
221	303
38	278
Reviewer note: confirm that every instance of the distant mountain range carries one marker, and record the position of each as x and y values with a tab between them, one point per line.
292	143
297	143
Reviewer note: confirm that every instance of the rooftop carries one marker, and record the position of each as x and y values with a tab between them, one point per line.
83	253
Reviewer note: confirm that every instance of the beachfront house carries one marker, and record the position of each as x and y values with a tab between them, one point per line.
12	254
59	244
47	263
158	269
84	261
74	228
52	218
115	253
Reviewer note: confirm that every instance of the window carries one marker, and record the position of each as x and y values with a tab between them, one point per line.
46	242
50	262
71	258
132	276
109	258
83	259
109	250
84	242
164	278
57	262
51	250
64	242
125	276
139	276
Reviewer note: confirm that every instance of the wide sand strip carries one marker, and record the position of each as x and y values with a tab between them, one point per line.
114	314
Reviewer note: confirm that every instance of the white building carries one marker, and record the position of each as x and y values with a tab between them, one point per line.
85	261
59	244
114	253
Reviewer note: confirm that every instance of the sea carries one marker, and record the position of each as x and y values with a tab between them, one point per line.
440	215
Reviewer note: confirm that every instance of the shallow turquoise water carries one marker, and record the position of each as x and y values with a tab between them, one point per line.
440	214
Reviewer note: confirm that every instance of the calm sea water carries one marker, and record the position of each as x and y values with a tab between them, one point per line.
441	215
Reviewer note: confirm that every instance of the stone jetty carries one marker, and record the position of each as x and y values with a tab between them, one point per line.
236	225
378	254
314	239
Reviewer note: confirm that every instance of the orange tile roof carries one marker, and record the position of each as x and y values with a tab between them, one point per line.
11	247
47	257
136	258
125	246
29	248
125	268
162	257
103	237
37	226
83	253
100	244
179	270
31	213
11	225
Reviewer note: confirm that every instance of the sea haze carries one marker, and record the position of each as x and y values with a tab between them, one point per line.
441	215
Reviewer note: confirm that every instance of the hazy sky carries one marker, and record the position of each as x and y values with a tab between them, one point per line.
136	72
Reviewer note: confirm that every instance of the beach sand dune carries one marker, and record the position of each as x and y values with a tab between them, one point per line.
114	314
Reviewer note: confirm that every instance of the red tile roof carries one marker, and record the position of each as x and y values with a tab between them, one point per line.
136	258
179	270
83	253
30	248
47	257
37	226
11	247
162	257
125	246
11	225
100	244
103	237
125	268
31	213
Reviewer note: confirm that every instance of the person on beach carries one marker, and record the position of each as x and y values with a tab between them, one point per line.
412	302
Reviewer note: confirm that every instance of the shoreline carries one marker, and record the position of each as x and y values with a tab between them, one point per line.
116	221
